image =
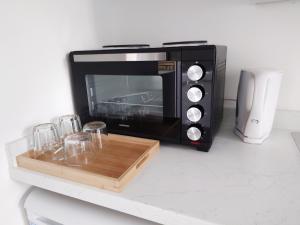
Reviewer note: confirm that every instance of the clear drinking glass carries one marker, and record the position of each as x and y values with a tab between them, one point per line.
78	148
98	131
69	124
46	141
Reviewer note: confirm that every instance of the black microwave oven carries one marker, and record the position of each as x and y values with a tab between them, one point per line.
173	94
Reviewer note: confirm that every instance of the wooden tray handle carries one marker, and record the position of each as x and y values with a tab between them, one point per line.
142	161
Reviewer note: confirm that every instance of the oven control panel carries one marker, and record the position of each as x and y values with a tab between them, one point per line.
196	102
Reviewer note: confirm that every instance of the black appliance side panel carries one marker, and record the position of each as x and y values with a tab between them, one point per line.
218	88
175	55
204	57
79	94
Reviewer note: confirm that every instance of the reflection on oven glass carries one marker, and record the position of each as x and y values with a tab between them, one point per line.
123	97
133	105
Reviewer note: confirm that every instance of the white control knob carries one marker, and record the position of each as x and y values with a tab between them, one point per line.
194	114
195	73
194	134
194	94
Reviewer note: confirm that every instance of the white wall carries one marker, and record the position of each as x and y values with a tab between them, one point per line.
35	37
257	36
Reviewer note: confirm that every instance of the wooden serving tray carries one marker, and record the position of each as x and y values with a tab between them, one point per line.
121	158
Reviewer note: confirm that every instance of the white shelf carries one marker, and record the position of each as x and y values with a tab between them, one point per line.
235	183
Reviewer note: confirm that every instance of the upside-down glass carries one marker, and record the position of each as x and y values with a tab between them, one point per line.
78	148
46	141
69	124
98	131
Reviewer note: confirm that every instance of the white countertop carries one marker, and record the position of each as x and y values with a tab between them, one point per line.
233	184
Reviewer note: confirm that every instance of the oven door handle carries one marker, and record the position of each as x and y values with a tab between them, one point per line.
121	57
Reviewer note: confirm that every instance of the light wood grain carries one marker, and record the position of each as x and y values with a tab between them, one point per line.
111	168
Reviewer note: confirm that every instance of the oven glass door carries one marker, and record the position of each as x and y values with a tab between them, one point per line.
125	97
133	98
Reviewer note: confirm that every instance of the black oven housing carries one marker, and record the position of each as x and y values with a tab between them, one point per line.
88	68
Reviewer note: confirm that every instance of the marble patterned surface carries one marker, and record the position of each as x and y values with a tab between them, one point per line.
234	184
